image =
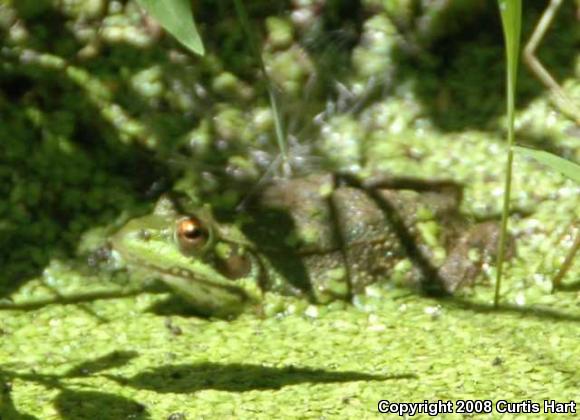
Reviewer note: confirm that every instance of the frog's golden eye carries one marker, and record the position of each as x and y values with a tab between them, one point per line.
191	234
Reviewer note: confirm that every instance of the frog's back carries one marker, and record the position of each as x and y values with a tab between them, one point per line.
331	239
326	239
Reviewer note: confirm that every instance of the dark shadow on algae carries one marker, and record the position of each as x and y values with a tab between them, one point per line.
238	377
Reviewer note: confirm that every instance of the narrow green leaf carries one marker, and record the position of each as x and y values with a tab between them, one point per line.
565	167
274	106
177	19
511	19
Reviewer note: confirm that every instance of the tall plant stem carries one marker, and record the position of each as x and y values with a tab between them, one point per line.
280	136
511	17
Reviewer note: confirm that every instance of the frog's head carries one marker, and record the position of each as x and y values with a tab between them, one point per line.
205	263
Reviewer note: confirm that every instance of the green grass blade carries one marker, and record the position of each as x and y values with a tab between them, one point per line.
278	125
511	18
176	18
565	167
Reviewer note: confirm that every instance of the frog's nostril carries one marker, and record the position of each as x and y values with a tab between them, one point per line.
144	234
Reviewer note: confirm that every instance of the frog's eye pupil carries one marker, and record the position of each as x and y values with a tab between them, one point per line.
193	233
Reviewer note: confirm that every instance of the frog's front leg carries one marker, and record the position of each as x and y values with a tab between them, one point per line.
562	100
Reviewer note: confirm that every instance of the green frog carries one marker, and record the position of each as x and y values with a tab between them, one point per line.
322	236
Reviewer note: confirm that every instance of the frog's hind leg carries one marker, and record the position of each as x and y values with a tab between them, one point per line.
557	281
388	193
561	99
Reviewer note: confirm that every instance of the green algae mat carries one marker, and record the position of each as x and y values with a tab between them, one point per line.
117	359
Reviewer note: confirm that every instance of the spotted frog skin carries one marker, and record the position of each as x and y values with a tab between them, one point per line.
321	236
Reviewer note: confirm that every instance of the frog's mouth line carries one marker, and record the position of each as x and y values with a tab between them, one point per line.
207	291
204	285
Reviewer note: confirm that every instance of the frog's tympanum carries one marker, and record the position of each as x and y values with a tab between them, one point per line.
319	236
